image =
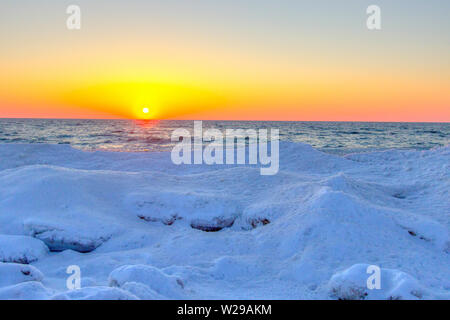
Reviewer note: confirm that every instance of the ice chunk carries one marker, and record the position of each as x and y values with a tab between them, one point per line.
351	284
59	237
166	285
215	224
13	273
21	249
203	211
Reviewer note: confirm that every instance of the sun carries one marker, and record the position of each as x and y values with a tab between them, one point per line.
145	110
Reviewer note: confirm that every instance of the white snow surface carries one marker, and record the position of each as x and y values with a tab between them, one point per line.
21	249
136	225
14	273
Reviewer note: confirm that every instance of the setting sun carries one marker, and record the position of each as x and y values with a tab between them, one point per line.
145	110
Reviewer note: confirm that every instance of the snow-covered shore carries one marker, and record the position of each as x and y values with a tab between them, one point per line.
136	225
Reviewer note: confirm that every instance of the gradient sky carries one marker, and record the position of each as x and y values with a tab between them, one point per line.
230	59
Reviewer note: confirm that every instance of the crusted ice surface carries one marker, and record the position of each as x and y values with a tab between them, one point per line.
291	236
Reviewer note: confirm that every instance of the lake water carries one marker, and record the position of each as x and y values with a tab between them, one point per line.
136	135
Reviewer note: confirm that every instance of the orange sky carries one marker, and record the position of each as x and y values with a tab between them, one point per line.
324	70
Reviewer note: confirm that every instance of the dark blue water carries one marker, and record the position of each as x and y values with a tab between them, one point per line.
133	135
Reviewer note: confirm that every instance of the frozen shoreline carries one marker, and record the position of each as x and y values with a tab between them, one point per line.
304	233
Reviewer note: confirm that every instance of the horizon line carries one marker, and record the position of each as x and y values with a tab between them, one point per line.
228	120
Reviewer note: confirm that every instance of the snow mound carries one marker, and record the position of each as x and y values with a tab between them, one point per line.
169	286
21	249
31	290
201	210
142	291
95	293
351	284
59	237
425	229
13	273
